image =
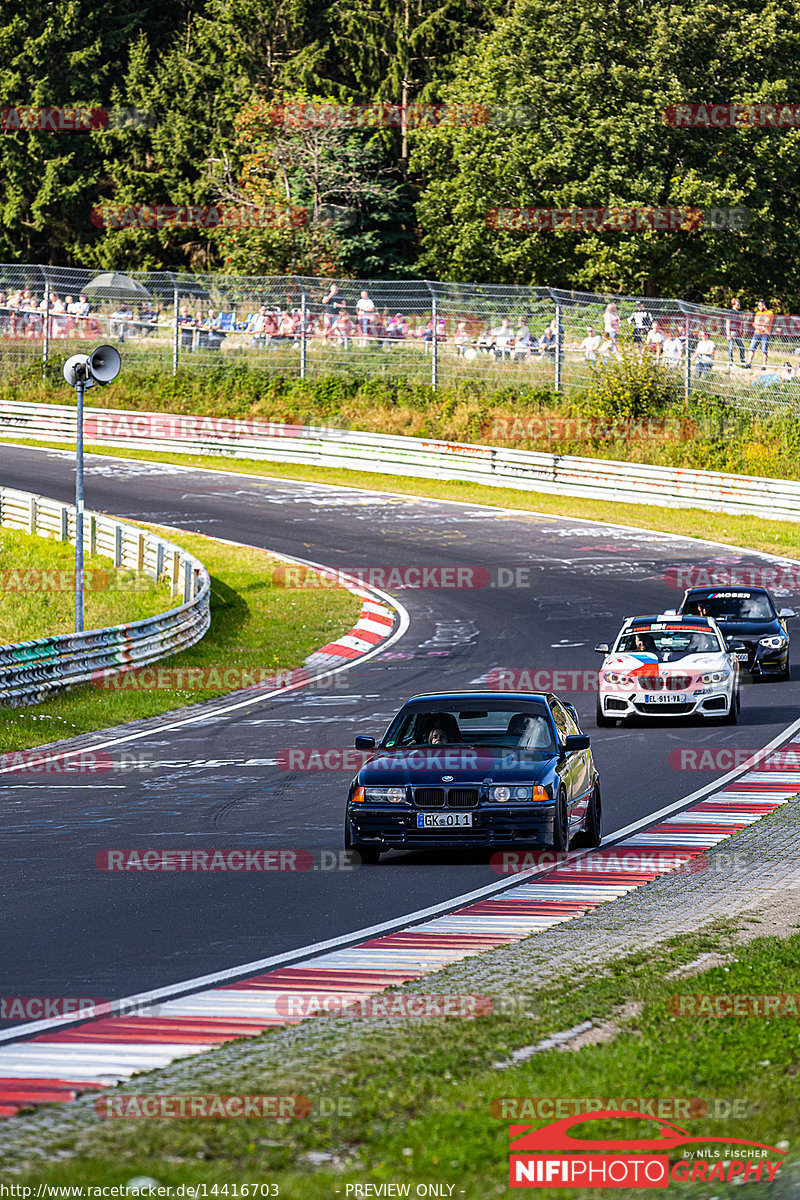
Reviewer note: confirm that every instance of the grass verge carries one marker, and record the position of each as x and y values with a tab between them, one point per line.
419	1103
37	582
257	629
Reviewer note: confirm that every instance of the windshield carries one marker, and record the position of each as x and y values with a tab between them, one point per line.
670	644
527	729
731	606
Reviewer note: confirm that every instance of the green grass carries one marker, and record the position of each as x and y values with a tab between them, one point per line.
256	626
37	586
417	1098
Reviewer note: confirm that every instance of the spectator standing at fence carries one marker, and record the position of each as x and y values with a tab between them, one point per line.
522	342
733	331
655	341
642	322
503	338
608	350
343	328
704	354
590	345
762	327
611	322
672	351
364	310
330	307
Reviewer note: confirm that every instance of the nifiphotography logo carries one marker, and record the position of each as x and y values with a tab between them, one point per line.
551	1157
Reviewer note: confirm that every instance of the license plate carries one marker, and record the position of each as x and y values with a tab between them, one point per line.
665	698
456	820
741	656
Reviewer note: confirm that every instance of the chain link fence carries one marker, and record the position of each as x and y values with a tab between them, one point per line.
426	332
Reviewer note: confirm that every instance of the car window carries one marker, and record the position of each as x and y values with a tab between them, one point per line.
529	728
668	643
564	722
731	606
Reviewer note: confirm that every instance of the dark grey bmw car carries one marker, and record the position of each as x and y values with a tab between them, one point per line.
475	769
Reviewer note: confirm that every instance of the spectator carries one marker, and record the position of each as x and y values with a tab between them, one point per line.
672	351
590	345
330	306
461	338
787	373
655	340
364	310
762	327
611	322
548	340
704	355
503	339
608	350
641	321
733	332
343	328
119	321
255	325
486	341
522	342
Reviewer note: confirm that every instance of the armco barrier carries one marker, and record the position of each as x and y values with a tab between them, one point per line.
526	470
31	671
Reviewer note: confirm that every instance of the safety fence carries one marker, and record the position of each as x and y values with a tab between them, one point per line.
424	331
494	466
31	671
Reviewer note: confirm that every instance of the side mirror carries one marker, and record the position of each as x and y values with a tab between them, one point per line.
602	648
576	741
365	743
787	612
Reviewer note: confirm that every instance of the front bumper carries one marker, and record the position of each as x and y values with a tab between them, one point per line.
492	825
766	660
712	701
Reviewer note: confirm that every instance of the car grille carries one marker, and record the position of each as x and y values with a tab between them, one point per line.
462	797
429	797
664	683
677	707
435	797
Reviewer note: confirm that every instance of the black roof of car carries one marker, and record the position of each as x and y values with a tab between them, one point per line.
729	589
457	698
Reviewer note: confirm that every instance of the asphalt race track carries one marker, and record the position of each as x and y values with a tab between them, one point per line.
70	929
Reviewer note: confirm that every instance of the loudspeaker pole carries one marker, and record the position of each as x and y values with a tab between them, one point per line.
79	390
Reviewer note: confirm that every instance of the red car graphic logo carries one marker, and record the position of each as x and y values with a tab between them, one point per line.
555	1136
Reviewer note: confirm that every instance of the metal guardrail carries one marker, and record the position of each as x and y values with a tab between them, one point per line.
31	671
527	470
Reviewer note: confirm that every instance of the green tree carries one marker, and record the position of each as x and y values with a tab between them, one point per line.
600	80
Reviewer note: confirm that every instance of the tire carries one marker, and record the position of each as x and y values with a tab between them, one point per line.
593	832
732	715
561	823
601	720
369	855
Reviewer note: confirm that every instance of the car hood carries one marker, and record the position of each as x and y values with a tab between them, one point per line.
462	764
750	629
649	664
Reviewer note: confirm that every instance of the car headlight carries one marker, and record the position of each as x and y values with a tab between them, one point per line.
714	676
503	793
394	795
617	677
774	643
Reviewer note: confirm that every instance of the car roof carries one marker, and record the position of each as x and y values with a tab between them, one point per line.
673	619
733	589
471	697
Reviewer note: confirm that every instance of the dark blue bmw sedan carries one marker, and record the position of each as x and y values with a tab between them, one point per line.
475	769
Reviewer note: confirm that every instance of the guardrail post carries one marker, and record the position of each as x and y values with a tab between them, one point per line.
159	559
187	582
559	346
175	573
93	534
64	523
32	515
176	340
303	336
140	553
687	366
117	545
434	338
